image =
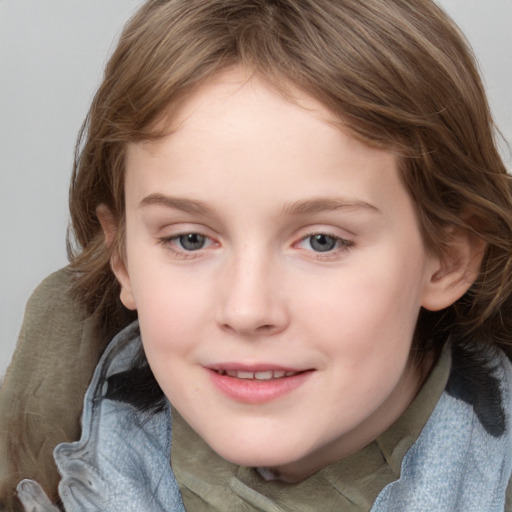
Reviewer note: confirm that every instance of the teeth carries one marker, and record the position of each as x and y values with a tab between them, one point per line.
263	375
245	375
267	375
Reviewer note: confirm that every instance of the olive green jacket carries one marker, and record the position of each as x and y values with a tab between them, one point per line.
42	394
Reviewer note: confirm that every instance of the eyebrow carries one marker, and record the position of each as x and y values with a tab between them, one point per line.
323	204
301	207
177	203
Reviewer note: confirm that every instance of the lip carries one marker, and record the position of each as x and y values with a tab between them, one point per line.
255	391
261	367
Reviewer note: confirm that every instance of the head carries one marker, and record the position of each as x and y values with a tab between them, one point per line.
393	79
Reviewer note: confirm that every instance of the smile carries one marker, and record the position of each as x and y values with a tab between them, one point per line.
257	386
262	375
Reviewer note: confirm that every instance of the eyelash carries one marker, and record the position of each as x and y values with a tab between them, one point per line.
343	245
167	243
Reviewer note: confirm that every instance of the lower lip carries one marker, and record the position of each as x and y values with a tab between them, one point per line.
251	391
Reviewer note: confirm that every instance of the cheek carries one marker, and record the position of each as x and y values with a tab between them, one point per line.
169	325
380	298
171	307
366	320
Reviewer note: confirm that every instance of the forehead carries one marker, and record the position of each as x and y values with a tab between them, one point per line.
237	90
238	129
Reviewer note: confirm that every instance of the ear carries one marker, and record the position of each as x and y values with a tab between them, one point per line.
109	226
453	272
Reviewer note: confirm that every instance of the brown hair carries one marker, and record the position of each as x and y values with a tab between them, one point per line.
397	73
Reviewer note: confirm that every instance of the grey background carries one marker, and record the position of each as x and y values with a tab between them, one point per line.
52	53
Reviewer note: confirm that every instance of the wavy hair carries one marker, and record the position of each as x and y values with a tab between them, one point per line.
398	74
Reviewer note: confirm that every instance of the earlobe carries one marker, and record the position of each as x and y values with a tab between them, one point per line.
453	273
110	227
126	296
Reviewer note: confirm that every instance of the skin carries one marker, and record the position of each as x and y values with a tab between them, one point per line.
253	177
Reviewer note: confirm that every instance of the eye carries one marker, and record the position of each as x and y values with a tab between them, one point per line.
321	242
191	241
185	244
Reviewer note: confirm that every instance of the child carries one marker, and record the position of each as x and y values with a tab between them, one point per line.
303	205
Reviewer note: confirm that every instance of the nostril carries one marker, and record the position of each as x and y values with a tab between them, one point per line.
248	318
261	329
265	328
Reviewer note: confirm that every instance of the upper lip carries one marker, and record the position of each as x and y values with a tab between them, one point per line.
254	368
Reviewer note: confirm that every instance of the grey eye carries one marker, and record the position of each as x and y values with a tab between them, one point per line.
192	241
322	243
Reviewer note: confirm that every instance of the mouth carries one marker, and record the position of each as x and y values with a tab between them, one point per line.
261	375
257	385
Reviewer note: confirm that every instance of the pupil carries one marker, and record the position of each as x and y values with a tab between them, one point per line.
192	241
322	243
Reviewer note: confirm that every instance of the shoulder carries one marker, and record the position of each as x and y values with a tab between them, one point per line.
41	398
462	460
482	378
56	335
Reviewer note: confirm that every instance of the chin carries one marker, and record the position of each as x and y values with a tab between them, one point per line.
260	454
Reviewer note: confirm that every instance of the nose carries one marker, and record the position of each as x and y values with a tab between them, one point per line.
253	297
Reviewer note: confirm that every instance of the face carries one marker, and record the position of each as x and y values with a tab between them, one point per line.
278	270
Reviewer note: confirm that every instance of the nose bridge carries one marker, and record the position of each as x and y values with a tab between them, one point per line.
253	296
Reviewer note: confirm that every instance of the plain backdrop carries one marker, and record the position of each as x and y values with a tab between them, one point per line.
52	53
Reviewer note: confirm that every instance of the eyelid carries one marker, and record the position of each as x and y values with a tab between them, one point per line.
168	241
177	229
344	241
207	241
345	245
